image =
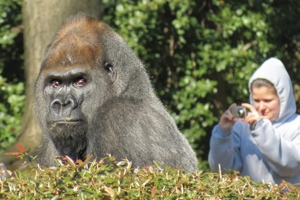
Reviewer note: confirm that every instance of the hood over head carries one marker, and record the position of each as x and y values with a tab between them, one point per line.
274	71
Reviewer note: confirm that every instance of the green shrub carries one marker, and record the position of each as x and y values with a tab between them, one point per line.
108	179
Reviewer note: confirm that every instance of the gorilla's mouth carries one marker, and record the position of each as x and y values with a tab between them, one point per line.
65	121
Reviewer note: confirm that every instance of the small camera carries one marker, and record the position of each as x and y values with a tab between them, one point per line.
238	111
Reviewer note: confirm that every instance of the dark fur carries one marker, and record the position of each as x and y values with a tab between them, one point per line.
115	113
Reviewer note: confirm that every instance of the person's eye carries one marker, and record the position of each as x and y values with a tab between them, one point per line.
56	83
268	101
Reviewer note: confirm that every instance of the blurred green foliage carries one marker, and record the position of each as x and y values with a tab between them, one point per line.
12	94
199	54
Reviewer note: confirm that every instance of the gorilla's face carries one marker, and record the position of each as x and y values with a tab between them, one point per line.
78	75
65	92
71	85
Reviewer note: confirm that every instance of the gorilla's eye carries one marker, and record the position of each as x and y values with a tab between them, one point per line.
80	82
108	66
56	83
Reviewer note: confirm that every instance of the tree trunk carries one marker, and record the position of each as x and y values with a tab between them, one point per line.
41	19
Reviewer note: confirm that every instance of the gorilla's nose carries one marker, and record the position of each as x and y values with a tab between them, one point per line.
63	106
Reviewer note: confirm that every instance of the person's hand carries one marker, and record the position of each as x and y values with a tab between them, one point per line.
227	120
252	116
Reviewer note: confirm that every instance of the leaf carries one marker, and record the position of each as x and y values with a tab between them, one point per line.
70	161
110	191
82	164
153	191
20	147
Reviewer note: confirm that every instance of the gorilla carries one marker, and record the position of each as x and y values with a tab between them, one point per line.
93	96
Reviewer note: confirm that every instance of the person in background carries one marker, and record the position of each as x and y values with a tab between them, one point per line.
265	144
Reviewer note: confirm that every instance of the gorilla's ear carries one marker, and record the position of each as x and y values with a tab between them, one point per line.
111	71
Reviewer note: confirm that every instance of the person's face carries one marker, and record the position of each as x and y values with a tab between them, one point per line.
266	102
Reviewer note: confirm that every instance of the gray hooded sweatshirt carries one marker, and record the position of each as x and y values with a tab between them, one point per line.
268	151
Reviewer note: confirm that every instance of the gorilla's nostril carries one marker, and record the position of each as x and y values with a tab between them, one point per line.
56	105
67	102
71	102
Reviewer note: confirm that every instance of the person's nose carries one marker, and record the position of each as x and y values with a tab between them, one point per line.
262	105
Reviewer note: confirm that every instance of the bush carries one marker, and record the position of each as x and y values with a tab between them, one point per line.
108	179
